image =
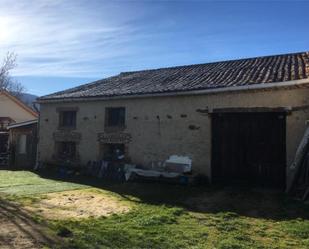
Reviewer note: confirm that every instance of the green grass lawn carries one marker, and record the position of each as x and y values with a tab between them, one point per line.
28	183
169	216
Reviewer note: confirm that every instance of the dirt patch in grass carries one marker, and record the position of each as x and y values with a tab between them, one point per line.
18	229
78	204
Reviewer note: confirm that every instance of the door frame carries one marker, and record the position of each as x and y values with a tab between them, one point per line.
284	111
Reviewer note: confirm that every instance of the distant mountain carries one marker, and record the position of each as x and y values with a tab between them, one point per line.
29	100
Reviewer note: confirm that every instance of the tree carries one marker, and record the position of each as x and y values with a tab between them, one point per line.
6	81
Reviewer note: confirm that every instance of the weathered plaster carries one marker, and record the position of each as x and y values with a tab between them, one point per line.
162	126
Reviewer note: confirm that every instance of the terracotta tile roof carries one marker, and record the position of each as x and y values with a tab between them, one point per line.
243	72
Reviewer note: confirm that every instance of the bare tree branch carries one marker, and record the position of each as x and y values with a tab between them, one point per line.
6	81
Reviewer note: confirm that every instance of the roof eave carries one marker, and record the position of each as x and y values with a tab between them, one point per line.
25	123
260	86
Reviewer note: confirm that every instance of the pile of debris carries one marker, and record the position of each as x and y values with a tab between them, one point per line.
176	169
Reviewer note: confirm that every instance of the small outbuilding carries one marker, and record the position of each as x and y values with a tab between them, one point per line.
23	140
238	120
12	111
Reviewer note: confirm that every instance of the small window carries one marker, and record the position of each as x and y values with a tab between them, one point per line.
22	144
4	122
115	117
67	119
66	150
4	138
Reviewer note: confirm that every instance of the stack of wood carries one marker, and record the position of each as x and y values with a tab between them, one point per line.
299	184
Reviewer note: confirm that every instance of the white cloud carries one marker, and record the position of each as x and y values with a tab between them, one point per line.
62	38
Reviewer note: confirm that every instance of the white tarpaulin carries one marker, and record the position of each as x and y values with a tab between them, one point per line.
181	164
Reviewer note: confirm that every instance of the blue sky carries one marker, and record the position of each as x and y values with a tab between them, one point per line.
61	44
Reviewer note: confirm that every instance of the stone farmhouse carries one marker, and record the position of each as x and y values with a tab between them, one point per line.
237	120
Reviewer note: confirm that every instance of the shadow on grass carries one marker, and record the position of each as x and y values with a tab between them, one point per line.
243	200
19	229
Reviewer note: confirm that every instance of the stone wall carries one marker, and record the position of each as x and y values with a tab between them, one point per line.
163	126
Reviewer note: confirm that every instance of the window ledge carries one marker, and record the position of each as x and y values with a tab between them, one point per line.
67	128
114	128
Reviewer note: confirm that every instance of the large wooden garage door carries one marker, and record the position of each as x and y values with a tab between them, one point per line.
249	148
